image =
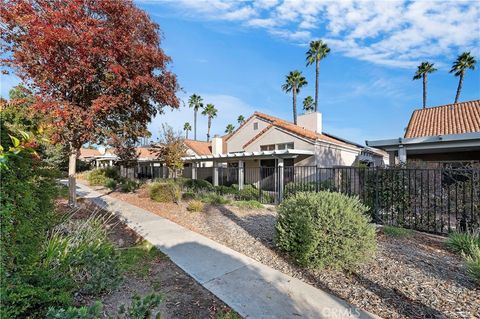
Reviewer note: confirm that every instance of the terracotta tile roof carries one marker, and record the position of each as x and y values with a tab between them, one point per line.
199	147
146	153
457	118
297	130
88	152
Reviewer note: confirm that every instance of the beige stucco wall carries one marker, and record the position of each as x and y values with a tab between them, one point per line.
277	136
246	133
328	155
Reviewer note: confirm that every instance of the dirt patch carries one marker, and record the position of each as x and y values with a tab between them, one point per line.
414	277
182	296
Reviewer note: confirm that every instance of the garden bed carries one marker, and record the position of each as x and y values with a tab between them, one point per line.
411	277
182	296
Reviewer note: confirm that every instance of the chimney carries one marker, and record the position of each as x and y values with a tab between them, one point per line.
217	145
311	121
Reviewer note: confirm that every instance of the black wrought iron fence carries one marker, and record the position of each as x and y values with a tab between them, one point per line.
432	200
436	200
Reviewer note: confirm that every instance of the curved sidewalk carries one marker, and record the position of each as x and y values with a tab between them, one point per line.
247	286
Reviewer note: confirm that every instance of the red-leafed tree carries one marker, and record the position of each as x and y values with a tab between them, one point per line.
95	66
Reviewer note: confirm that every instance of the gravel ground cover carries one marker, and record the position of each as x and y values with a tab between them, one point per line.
411	277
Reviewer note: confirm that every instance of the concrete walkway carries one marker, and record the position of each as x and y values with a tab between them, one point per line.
247	286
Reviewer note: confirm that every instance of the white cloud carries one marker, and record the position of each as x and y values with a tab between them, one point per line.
393	33
229	108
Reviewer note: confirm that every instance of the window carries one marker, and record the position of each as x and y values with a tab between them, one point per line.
285	146
255	126
270	147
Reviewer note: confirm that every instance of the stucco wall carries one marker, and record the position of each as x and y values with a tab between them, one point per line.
246	133
276	136
331	155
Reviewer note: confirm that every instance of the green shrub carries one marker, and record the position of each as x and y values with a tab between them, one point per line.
129	186
140	308
397	231
81	249
226	190
195	206
99	176
198	185
188	195
248	204
214	199
164	192
111	184
293	188
249	192
472	262
92	312
325	230
463	242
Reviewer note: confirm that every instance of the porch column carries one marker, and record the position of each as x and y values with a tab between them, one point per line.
215	173
280	179
241	171
194	170
391	158
402	154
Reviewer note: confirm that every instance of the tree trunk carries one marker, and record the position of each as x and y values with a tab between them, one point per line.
195	125
294	90
72	185
186	134
424	90
459	89
208	129
317	73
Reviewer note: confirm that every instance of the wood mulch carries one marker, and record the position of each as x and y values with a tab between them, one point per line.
182	296
414	277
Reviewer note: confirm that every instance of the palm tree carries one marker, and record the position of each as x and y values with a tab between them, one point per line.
240	119
230	128
308	104
317	51
187	127
293	82
462	63
195	102
423	69
211	112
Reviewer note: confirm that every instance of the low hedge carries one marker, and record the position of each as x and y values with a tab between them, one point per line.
197	185
164	192
99	176
325	229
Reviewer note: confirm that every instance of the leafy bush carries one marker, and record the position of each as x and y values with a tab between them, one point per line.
99	176
248	204
140	308
226	190
463	242
198	185
472	262
325	229
248	192
129	186
81	249
164	192
397	231
214	199
188	195
293	188
111	184
92	312
195	206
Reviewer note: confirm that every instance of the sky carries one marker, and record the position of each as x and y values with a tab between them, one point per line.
236	54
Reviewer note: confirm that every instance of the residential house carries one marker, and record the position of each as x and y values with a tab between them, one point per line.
447	133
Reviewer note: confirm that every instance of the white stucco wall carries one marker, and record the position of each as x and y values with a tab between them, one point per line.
246	133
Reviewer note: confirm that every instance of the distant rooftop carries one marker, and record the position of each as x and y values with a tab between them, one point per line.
460	118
